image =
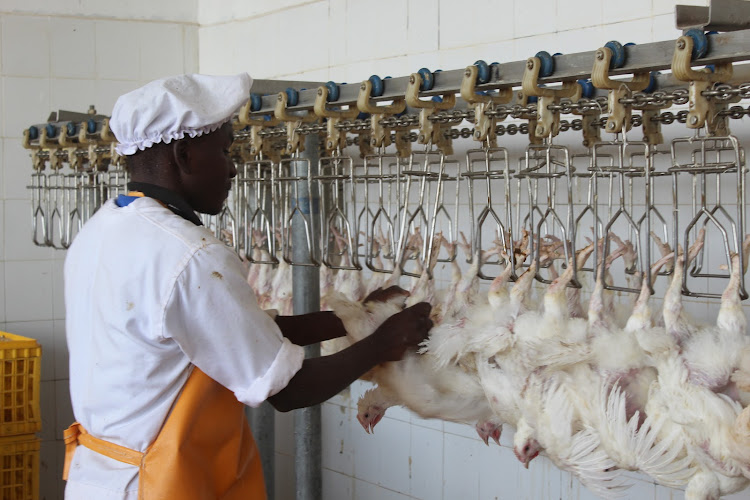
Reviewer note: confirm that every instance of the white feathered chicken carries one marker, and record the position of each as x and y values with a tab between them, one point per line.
415	382
551	421
714	354
704	420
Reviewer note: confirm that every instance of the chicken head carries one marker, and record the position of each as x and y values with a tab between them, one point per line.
371	408
489	429
525	446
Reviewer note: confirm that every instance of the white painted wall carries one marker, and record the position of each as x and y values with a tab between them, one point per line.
67	55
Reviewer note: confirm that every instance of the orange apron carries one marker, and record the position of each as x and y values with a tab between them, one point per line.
205	451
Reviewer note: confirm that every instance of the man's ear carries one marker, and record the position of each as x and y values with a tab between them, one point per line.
181	154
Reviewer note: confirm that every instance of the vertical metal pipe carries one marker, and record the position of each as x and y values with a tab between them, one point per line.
263	427
306	298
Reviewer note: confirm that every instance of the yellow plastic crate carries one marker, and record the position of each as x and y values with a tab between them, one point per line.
19	468
20	373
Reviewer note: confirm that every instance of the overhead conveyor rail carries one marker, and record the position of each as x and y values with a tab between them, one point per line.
657	56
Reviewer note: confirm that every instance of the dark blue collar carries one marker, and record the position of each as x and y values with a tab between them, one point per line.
123	200
169	199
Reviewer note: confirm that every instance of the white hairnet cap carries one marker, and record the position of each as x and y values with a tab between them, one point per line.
171	108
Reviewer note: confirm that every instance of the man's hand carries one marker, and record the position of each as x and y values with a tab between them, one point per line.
404	330
322	377
384	295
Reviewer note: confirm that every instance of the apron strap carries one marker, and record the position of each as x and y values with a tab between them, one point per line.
76	434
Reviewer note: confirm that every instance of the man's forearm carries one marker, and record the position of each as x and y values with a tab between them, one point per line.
311	328
323	377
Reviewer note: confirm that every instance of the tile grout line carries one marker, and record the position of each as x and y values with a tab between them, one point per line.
98	18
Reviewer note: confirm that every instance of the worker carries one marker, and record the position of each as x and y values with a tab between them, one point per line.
166	339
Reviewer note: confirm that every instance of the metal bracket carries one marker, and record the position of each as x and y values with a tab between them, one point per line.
51	145
244	119
257	143
335	137
651	124
105	137
429	132
548	121
720	15
403	142
262	145
106	132
37	162
380	136
484	125
700	80
619	114
294	141
70	147
592	133
523	100
682	70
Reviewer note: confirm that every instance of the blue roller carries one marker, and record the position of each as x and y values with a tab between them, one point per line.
333	92
651	82
700	43
587	88
377	86
292	96
363	116
547	63
428	80
71	129
33	133
91	126
618	54
532	99
266	118
51	130
437	98
483	71
256	102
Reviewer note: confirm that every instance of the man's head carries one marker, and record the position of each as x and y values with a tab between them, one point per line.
176	133
199	169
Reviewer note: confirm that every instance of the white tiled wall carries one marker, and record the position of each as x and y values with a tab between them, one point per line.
66	55
71	53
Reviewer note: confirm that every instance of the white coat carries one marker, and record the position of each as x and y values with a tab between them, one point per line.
148	295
